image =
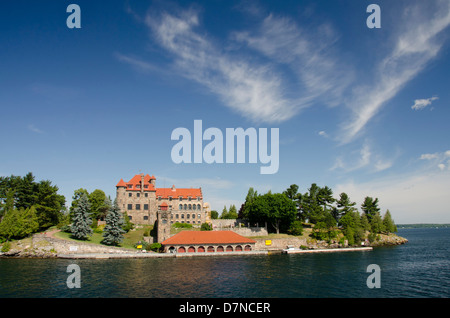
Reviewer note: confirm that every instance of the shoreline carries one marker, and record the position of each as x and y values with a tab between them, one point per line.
139	255
46	245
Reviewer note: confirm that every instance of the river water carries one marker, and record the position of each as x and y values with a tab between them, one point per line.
418	269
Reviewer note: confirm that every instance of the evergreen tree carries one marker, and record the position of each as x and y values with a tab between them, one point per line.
376	223
81	219
344	205
113	232
389	225
365	222
245	208
311	206
224	212
370	207
19	223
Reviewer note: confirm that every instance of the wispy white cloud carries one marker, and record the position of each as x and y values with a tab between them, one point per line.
253	90
34	129
414	47
420	104
309	54
437	159
363	158
137	63
323	133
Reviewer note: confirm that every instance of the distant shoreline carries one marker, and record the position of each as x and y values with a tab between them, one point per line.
423	225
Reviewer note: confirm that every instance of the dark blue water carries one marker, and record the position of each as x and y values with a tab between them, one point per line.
420	268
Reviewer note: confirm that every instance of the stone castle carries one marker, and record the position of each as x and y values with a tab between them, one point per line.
145	203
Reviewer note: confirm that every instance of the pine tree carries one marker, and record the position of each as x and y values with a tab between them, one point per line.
113	232
388	223
81	219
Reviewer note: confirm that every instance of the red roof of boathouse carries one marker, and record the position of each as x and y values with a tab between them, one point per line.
206	237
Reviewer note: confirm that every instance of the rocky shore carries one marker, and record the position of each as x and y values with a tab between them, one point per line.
47	246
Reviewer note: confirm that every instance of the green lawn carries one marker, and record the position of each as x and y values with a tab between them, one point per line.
129	239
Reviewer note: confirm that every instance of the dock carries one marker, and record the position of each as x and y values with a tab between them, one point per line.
326	250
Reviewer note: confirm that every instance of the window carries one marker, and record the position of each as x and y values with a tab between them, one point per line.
138	194
170	198
181	198
189	198
180	207
146	186
145	217
130	217
138	186
145	206
199	216
176	216
130	194
199	206
138	206
190	207
130	186
146	195
185	206
193	215
188	216
130	207
182	216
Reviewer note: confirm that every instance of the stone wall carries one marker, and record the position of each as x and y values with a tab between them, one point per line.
238	226
61	246
279	243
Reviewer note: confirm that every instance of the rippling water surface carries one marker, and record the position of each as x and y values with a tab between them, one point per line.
420	268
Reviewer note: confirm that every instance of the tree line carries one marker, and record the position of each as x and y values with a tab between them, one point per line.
27	206
288	211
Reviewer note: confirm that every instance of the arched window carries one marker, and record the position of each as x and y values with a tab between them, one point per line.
219	248
180	207
238	248
229	248
185	206
210	249
181	249
194	207
191	249
201	249
247	248
190	207
199	206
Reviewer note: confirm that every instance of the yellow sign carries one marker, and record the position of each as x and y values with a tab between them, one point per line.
139	246
268	242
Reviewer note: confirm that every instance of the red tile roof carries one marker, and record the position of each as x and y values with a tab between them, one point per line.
206	237
121	184
175	193
135	185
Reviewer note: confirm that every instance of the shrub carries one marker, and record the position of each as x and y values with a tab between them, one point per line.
296	228
66	228
155	247
206	227
182	225
6	247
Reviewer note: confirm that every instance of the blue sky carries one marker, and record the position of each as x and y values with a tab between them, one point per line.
363	111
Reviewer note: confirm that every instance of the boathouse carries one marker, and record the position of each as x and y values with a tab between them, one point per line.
208	242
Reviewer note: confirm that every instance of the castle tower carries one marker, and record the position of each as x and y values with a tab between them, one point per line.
163	223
